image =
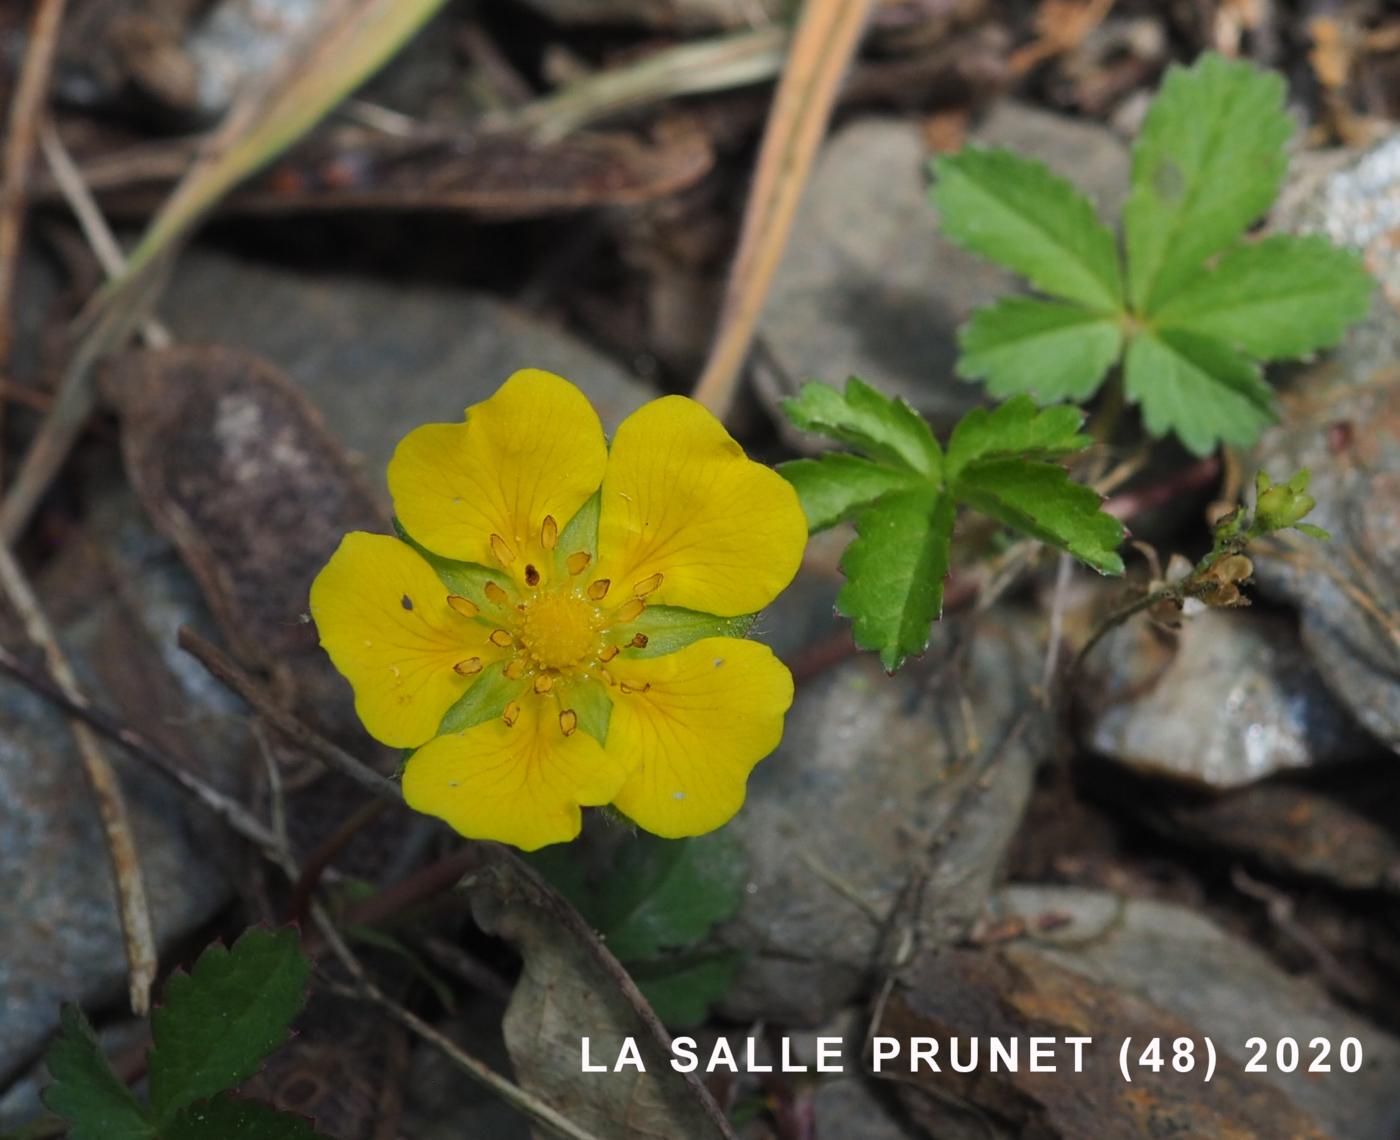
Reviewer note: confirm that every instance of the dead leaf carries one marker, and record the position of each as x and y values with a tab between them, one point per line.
572	987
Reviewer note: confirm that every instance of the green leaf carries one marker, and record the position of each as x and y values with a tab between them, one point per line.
1197	387
869	421
1051	350
1040	500
486	698
221	1019
681	991
1208	163
895	570
226	1117
1015	429
1015	212
1275	299
85	1091
835	486
668	628
669	893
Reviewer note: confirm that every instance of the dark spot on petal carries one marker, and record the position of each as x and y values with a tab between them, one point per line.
407	602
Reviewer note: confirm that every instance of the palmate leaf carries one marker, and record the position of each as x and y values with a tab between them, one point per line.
1039	499
1208	163
1016	429
221	1019
1278	298
85	1091
833	488
1197	387
1051	350
1014	211
894	572
869	421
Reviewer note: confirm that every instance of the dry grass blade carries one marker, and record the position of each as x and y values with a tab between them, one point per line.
354	39
822	49
25	111
691	69
116	824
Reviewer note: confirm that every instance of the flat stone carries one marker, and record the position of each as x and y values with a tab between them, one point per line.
881	782
1228	699
117	595
1347	589
378	358
1187	966
870	287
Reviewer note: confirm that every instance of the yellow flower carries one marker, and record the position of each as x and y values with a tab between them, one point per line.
557	632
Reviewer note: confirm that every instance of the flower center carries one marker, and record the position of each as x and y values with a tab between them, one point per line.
559	630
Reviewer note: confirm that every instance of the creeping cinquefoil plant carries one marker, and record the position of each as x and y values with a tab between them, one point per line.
561	623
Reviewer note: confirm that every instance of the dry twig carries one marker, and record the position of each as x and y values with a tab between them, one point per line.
132	906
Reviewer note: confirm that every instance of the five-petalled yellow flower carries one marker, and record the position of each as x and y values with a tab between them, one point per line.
546	640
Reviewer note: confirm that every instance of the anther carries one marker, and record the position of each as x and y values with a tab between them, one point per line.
495	595
639	641
502	638
607	677
577	563
464	606
504	554
467	668
532	576
543	683
511	714
599	590
608	654
633	608
515	670
568	722
626	688
549	532
648	585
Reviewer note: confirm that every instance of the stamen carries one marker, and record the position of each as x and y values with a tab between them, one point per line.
648	585
577	563
511	714
468	667
568	722
543	683
607	677
515	670
626	688
639	641
632	609
549	532
502	638
608	654
495	595
504	554
464	606
599	590
532	576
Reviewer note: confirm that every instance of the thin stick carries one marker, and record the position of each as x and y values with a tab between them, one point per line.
132	906
822	49
25	112
223	668
94	226
181	772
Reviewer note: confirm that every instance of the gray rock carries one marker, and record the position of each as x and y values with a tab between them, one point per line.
1227	700
1347	589
847	1107
118	602
868	286
1187	966
881	784
380	359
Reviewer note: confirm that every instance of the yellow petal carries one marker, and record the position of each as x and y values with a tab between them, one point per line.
521	784
690	726
681	499
533	451
384	618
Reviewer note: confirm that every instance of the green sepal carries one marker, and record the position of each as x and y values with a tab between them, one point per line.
669	628
486	698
